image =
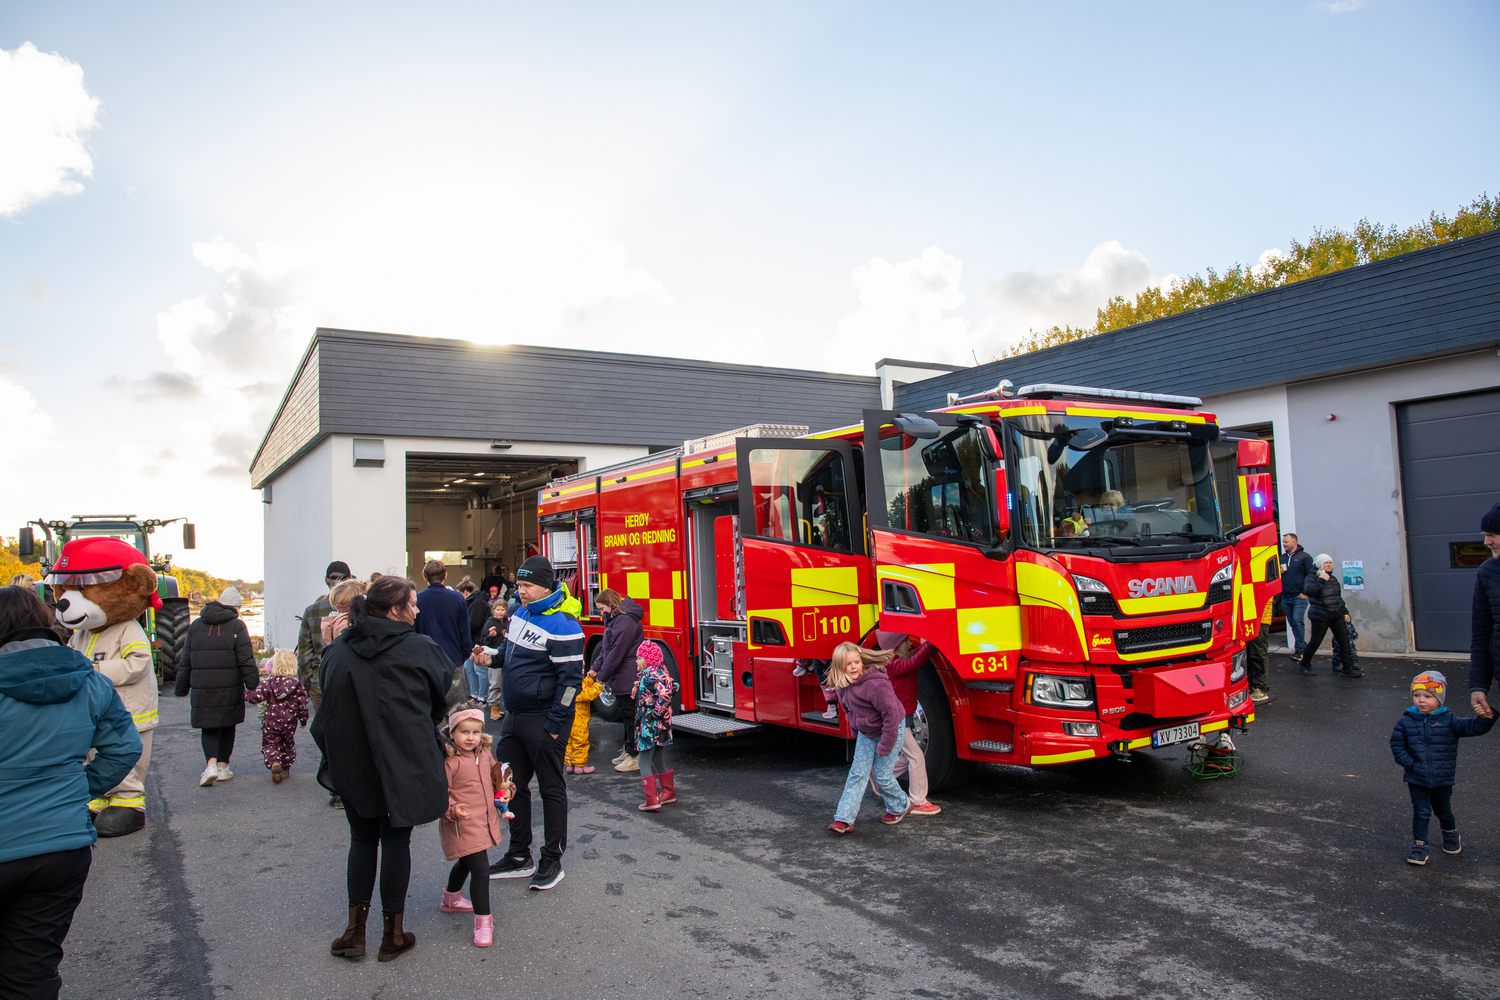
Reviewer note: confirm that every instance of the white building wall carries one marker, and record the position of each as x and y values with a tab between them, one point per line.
1350	478
299	542
324	508
1264	406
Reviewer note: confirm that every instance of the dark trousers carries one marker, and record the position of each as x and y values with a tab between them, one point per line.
627	719
218	744
476	868
367	838
37	898
1317	631
529	749
1425	802
1258	659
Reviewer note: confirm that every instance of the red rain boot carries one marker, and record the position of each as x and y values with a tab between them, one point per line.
668	793
652	803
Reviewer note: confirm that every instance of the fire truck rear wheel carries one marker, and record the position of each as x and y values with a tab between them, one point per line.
171	633
934	719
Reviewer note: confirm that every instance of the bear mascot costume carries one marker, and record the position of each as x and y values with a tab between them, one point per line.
102	586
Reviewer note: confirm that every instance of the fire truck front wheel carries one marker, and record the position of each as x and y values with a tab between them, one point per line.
933	727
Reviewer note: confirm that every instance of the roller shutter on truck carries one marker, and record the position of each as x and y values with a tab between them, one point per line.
1450	475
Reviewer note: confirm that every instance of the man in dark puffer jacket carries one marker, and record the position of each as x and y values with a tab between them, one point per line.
1425	744
1484	648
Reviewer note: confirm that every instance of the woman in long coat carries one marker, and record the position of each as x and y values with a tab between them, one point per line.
384	691
217	665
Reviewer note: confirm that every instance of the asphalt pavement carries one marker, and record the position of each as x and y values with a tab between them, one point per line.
1102	879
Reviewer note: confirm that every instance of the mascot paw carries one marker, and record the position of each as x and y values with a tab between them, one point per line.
117	821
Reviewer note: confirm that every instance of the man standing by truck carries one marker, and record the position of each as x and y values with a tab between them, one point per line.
1296	564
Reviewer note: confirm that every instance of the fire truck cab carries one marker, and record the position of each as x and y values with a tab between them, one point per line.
1069	551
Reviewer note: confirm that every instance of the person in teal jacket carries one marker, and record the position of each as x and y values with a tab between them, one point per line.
54	708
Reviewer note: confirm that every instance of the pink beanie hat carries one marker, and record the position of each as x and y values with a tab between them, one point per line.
650	652
462	714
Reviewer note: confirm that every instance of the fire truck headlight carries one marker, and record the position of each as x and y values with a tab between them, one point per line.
1237	667
1238	698
1081	728
1088	585
1053	691
1223	576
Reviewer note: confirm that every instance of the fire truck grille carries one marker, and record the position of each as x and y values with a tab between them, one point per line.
1098	604
1220	592
1140	640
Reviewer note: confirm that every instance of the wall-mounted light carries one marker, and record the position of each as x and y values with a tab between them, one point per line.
369	453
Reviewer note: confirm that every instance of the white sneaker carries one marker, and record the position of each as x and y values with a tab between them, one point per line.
620	757
209	776
225	773
832	713
798	670
628	764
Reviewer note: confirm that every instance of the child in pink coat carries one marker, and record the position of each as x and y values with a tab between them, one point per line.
471	826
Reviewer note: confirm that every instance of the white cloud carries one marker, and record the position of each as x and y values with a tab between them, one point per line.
1339	6
1026	300
905	311
44	111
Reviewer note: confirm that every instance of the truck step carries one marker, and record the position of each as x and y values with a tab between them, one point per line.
818	719
715	727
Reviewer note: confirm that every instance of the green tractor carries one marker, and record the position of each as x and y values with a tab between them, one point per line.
167	628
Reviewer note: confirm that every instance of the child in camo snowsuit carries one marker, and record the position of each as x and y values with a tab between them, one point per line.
285	703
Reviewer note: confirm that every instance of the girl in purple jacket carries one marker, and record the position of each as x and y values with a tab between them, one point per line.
875	715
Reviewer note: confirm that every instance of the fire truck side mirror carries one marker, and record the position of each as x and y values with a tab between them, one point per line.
1255	498
26	545
1254	454
189	536
1002	502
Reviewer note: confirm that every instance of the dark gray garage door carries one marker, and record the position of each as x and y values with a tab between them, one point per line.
1450	475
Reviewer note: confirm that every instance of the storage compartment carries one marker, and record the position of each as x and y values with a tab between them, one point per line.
1176	692
715	679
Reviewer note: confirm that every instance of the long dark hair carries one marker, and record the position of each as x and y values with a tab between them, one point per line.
384	596
22	611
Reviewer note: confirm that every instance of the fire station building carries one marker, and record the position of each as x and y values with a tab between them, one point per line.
1378	387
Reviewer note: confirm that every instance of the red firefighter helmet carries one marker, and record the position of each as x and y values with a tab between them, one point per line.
96	560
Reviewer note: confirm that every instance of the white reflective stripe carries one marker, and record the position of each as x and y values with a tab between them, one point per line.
566	659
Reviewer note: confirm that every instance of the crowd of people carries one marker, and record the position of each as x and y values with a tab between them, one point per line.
398	681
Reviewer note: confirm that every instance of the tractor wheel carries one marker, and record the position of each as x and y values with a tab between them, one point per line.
171	633
933	728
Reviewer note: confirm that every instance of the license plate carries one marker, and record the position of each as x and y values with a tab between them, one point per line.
1174	734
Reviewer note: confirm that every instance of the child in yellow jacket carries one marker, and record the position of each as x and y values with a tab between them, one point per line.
576	756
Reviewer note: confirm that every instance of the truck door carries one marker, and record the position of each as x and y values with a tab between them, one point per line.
934	493
806	573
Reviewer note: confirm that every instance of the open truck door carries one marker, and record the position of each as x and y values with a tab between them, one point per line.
1257	545
807	581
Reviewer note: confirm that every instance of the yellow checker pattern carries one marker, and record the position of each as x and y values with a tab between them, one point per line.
825	586
933	583
1043	585
989	630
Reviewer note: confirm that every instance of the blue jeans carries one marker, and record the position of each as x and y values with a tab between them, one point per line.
478	678
1295	606
1425	802
865	761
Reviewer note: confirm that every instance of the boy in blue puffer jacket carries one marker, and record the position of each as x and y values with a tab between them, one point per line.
1425	744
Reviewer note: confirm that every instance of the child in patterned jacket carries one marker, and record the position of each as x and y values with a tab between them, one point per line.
285	703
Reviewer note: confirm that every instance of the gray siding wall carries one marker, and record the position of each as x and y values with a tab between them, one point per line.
296	425
1432	302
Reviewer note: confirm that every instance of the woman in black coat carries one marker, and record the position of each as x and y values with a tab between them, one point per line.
217	666
384	694
1327	612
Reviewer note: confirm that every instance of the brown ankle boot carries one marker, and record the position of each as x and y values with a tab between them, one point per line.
395	941
352	943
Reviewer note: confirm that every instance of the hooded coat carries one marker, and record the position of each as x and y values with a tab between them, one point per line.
384	690
614	664
1426	746
871	707
1325	598
54	708
217	666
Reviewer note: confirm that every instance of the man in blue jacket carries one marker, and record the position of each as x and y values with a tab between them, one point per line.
54	708
1484	646
543	670
443	614
1296	564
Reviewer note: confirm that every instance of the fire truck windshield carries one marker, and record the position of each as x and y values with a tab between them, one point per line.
1117	489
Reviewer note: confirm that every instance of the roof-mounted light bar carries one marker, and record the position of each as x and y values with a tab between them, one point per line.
1044	390
1005	390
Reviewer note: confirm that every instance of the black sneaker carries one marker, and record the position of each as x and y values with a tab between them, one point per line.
548	874
513	867
1452	842
1418	855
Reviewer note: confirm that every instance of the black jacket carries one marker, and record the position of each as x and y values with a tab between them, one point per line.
1426	746
217	665
492	634
384	689
1296	567
1325	598
479	610
1484	645
614	664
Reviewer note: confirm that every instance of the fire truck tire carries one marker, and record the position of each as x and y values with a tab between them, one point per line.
171	633
606	707
944	767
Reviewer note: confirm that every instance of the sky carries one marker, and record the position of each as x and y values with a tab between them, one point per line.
188	190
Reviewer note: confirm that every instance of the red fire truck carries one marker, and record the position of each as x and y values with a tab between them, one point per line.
1087	574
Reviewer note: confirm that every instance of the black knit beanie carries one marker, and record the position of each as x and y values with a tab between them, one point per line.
539	571
1491	520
